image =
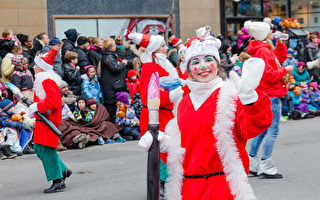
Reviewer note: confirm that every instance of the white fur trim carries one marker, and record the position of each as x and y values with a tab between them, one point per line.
174	160
226	146
42	64
40	77
135	37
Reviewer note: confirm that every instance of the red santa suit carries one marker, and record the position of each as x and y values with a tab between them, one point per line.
47	95
207	159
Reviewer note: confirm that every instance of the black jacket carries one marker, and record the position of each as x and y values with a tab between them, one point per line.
95	56
83	59
29	54
311	53
5	47
112	76
57	65
73	77
68	45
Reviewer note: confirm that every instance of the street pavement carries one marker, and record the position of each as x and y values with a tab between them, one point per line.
118	171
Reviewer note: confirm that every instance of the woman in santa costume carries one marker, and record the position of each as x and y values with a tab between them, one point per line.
206	140
155	60
47	100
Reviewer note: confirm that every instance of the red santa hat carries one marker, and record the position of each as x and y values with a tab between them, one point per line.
150	42
176	41
46	60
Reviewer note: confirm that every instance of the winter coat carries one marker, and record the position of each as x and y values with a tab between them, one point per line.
5	46
133	87
68	45
272	81
290	61
29	54
7	67
95	56
23	79
242	38
127	54
73	77
312	50
57	65
83	59
91	88
301	77
112	76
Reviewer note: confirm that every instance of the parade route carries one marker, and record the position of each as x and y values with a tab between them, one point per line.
118	171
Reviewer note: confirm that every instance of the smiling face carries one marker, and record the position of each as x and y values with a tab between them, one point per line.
203	69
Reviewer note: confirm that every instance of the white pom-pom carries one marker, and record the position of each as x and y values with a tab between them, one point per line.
247	25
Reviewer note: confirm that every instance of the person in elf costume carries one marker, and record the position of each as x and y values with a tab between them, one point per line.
206	140
47	100
155	60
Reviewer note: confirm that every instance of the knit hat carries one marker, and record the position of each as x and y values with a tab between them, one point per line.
176	41
150	42
132	73
259	30
314	85
82	97
301	64
63	84
16	60
46	60
82	40
207	46
123	97
267	20
54	41
91	101
290	51
72	34
6	104
89	66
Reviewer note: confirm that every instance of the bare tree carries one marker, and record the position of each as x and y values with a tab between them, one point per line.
168	21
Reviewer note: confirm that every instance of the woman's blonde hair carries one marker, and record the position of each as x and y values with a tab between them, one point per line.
70	55
94	41
119	40
108	43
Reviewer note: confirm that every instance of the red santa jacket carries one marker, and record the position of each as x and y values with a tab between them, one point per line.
48	96
213	139
272	82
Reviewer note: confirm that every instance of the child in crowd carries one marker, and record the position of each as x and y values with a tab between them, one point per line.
67	96
21	77
133	82
72	73
314	93
7	67
81	113
126	117
306	98
297	100
301	74
90	84
290	59
10	127
92	105
241	59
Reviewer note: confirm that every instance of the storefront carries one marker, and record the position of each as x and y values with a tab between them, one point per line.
238	11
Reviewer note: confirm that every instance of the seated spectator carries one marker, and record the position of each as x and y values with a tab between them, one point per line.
301	74
297	100
7	67
314	93
5	152
82	114
66	112
126	117
72	73
90	84
312	106
67	96
21	77
11	127
55	43
290	59
82	51
133	83
6	42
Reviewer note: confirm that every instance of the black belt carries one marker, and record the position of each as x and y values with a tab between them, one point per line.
204	176
159	108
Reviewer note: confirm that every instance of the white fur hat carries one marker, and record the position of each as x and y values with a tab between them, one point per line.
259	30
208	46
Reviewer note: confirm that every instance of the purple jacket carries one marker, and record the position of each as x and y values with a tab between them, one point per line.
242	38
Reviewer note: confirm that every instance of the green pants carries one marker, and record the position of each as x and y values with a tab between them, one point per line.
163	171
53	166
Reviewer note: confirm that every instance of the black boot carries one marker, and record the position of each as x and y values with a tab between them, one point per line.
57	185
162	189
6	151
2	157
28	150
66	174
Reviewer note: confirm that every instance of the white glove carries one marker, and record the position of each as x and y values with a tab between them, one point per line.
252	72
147	139
176	94
32	109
